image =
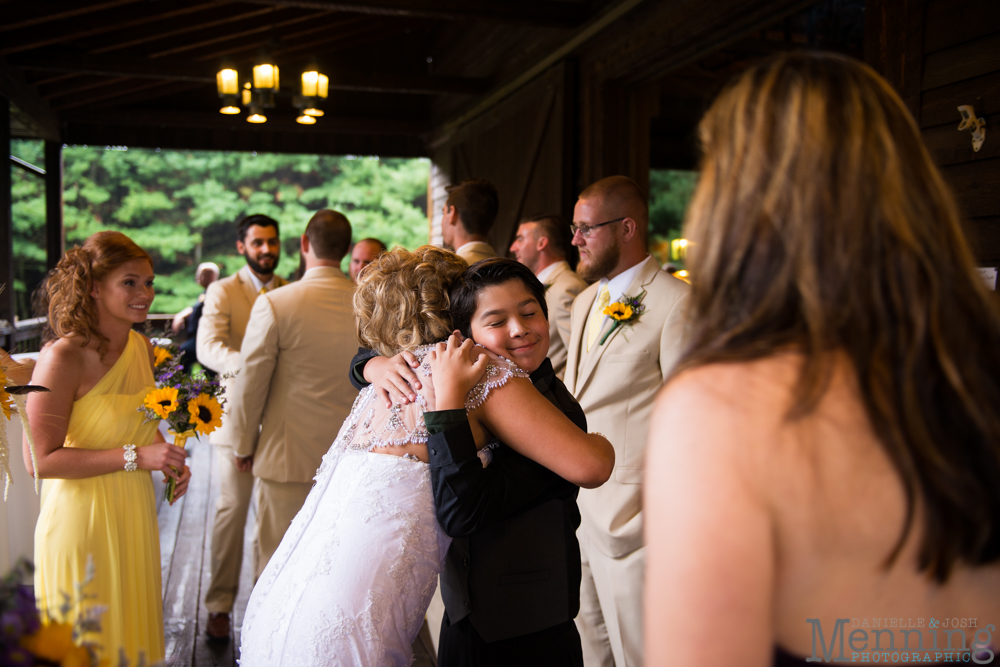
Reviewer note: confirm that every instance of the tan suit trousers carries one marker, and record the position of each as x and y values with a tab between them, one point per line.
277	505
235	492
612	637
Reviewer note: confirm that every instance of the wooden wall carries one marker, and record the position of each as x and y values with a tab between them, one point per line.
521	146
940	54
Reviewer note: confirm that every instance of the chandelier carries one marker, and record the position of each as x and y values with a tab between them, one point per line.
257	94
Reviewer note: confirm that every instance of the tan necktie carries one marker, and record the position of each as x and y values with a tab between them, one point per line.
263	290
597	317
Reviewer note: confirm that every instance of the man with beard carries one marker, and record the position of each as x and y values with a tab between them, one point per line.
627	331
228	303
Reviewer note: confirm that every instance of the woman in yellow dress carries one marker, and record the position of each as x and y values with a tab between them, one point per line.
94	452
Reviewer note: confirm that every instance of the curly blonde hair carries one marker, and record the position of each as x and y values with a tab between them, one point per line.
67	289
402	298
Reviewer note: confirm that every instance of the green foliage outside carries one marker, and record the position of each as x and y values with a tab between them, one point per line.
669	194
180	206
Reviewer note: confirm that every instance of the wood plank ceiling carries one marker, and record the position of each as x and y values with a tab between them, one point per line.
142	72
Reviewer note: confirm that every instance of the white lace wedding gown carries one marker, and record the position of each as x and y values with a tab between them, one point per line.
353	576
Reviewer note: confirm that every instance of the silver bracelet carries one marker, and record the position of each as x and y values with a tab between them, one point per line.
130	456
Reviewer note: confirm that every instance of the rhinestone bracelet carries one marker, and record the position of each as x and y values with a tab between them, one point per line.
130	456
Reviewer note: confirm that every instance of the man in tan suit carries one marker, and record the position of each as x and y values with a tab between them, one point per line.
291	397
469	214
615	372
220	335
540	245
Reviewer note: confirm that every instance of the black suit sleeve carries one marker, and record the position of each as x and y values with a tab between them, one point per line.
357	370
469	497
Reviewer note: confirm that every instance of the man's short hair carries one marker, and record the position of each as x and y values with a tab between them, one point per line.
249	221
554	228
371	239
477	203
329	234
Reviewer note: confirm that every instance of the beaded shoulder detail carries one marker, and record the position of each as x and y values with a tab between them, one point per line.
498	371
371	425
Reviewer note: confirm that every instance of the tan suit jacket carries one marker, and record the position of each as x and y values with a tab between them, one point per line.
475	251
615	384
561	288
220	332
293	395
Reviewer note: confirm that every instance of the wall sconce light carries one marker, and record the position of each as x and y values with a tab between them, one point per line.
976	125
678	248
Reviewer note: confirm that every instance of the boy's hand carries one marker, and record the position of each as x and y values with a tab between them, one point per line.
393	377
454	371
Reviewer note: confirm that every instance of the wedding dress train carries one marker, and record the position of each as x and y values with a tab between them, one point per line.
354	574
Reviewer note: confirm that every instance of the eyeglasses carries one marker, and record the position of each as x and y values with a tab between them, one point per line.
585	230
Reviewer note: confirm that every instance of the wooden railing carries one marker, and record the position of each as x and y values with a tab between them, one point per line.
26	335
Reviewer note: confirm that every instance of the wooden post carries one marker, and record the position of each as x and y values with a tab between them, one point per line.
7	303
894	38
55	238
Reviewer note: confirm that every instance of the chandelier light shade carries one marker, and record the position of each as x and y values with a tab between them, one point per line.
265	76
230	110
315	84
305	120
227	81
247	94
312	112
256	118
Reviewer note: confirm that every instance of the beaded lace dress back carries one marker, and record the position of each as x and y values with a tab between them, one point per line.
354	574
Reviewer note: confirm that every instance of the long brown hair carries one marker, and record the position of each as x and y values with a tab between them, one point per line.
821	224
67	290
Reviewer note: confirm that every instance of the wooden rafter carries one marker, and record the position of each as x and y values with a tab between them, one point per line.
178	28
54	11
74	29
204	73
263	27
530	12
124	89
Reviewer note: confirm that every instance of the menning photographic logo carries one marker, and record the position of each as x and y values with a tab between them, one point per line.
874	640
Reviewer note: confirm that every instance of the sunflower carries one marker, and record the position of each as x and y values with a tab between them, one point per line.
162	401
206	413
160	355
619	311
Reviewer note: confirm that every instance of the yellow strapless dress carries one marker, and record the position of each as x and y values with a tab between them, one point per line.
111	518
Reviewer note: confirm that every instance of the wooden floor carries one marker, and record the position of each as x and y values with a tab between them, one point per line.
185	542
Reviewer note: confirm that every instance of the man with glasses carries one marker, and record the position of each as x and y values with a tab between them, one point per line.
614	369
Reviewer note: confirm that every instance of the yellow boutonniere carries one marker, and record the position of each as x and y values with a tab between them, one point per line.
160	355
206	413
619	311
162	401
624	313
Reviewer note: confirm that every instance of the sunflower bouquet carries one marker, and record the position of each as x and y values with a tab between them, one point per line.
191	403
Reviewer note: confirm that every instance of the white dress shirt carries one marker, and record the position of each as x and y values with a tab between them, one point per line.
617	285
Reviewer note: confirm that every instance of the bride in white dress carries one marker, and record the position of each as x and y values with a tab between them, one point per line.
353	576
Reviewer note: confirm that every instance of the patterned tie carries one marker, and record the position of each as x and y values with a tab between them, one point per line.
597	317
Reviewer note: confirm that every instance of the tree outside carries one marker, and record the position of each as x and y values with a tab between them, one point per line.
180	206
670	192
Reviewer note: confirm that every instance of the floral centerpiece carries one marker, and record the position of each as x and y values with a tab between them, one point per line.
191	403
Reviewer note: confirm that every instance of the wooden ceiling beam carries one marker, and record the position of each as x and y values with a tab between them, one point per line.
55	93
275	120
75	29
204	73
251	47
27	14
264	26
123	90
546	13
182	27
